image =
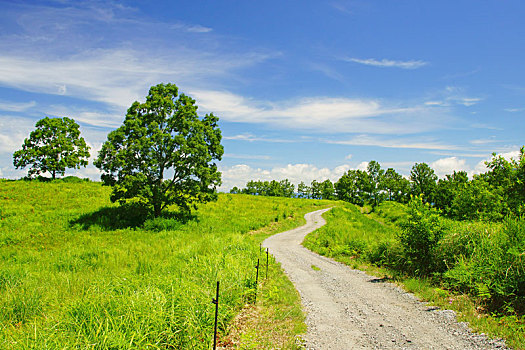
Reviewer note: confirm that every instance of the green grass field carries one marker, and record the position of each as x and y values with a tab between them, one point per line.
78	272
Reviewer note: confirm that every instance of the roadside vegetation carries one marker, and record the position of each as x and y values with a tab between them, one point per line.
476	268
78	271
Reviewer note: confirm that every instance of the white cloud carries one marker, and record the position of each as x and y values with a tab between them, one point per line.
239	175
198	29
324	114
362	166
246	156
13	131
484	141
514	110
367	140
252	138
411	64
16	106
448	165
113	76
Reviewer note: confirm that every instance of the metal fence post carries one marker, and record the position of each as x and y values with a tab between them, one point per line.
256	280
266	263
216	302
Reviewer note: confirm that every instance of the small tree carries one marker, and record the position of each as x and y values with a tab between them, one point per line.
53	147
163	137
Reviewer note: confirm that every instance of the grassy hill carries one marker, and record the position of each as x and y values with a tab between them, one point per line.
77	271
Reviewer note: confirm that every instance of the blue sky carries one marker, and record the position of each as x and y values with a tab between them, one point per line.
304	89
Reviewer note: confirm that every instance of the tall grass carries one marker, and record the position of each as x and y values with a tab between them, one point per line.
348	233
75	272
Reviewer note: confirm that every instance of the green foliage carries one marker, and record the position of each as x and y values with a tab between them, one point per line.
66	283
396	186
351	187
489	262
478	200
163	137
350	234
272	188
447	190
423	181
420	235
509	176
53	146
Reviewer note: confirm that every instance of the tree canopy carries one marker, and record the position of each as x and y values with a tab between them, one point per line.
163	153
53	146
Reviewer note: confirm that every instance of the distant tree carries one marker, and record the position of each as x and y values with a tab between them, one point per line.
252	187
509	177
287	188
448	188
235	190
303	190
396	186
423	181
315	189
53	147
373	186
327	189
163	136
349	187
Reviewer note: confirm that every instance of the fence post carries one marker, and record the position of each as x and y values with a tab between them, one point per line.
216	302
266	262
256	280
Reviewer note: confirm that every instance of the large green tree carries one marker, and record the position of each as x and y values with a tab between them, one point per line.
53	146
163	153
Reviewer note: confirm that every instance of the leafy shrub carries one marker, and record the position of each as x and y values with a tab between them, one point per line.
420	236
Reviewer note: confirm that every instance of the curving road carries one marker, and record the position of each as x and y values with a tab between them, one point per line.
348	309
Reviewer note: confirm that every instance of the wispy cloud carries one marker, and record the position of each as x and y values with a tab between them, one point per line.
452	96
367	140
484	141
252	138
514	110
411	64
114	76
323	114
16	106
192	28
87	51
246	156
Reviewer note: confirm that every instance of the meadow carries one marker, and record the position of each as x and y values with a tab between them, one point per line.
478	268
79	272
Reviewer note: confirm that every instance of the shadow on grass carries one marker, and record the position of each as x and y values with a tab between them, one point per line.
130	216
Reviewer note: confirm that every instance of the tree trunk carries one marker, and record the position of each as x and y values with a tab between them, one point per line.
53	173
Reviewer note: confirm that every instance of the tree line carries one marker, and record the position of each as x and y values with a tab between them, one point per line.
490	196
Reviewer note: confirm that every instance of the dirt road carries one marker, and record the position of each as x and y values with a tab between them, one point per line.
348	309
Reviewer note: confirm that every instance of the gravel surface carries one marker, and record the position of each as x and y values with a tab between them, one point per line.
349	309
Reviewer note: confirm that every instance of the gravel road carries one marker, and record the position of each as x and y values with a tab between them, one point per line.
348	309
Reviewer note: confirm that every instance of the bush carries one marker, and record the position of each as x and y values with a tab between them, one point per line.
420	235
